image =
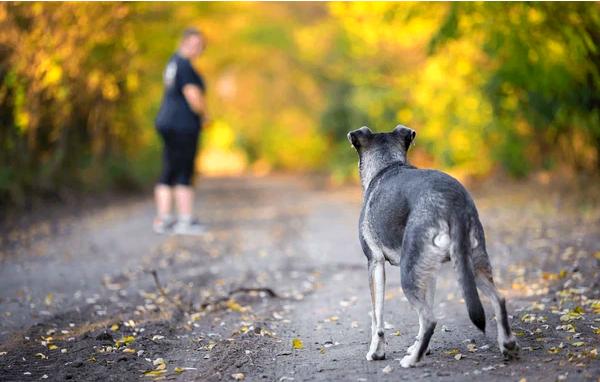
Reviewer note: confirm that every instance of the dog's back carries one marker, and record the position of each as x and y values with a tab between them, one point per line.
400	192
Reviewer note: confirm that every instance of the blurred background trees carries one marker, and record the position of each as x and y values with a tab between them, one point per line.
500	87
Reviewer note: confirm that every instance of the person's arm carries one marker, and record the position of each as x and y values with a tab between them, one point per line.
194	97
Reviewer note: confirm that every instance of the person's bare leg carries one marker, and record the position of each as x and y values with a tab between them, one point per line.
184	200
186	224
163	197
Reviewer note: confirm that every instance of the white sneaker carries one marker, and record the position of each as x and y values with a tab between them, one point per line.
188	227
163	225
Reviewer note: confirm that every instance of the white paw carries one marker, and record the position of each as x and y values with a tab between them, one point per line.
412	348
408	361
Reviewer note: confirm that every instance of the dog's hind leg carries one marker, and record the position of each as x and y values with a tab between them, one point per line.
419	264
377	286
485	282
422	322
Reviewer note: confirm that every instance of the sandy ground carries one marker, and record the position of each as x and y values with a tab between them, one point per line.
78	300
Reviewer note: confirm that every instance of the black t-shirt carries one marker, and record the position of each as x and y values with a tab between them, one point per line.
175	113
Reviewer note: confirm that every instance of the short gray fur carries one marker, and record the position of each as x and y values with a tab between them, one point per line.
418	219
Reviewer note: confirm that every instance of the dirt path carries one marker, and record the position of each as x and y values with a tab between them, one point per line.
83	304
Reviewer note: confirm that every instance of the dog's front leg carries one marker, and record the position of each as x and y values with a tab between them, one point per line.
377	284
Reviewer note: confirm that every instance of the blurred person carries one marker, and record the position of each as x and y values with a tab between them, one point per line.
179	123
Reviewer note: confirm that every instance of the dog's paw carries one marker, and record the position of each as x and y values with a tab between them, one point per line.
510	349
374	356
408	361
412	348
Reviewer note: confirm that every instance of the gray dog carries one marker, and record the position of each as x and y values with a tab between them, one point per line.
419	219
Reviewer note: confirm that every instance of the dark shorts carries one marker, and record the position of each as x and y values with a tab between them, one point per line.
179	155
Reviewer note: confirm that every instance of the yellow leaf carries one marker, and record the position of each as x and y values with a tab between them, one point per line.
114	327
52	347
154	373
578	343
179	370
128	350
452	351
297	343
124	341
234	306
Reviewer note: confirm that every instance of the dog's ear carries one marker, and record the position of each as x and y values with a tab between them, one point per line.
359	138
406	135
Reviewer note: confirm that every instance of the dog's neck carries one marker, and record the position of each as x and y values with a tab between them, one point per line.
369	166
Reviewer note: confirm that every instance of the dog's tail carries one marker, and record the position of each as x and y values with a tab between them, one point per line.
460	252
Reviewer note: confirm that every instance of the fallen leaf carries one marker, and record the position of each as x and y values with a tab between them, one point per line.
386	370
471	348
52	347
234	306
396	333
578	344
238	376
124	341
154	373
554	350
458	357
567	328
297	343
114	327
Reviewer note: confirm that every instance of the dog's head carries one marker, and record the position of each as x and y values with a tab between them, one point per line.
398	140
377	150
